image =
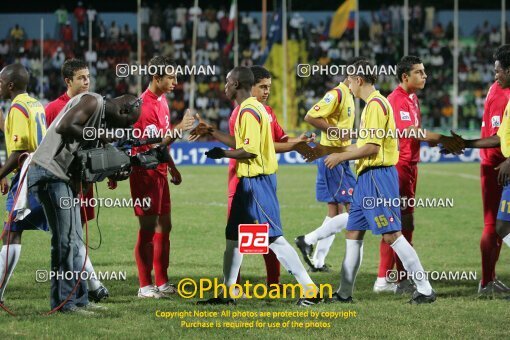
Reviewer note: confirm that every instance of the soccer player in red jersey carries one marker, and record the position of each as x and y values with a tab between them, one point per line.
261	90
152	249
490	243
77	78
404	102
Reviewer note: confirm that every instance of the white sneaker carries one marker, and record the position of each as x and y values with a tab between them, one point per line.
167	289
486	292
405	287
151	293
500	287
386	287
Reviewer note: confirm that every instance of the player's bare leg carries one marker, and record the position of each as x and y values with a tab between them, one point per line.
14	242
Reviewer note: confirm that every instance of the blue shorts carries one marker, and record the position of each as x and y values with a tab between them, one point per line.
334	185
255	201
35	220
369	213
504	206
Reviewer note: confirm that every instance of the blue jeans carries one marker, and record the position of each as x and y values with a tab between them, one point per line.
66	237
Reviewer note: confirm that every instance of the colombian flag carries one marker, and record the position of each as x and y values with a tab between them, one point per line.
342	19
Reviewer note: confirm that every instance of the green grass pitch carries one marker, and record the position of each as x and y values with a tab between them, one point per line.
447	239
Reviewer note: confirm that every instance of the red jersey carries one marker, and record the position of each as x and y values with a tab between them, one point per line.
494	106
154	121
406	110
278	136
53	108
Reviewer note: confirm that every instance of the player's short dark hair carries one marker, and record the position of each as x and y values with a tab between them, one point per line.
259	73
362	68
244	76
405	65
70	66
18	75
502	55
162	62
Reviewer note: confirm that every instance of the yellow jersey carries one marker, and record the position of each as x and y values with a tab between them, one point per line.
504	132
25	124
253	133
377	126
337	108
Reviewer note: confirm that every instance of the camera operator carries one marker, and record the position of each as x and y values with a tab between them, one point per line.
52	178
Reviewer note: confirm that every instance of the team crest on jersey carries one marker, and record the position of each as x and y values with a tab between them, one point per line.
405	116
15	138
316	107
328	98
246	141
151	131
495	122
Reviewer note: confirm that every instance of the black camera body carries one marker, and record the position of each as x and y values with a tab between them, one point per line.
96	164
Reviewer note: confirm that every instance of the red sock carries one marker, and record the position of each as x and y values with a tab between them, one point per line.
143	256
490	246
408	234
386	259
272	267
161	257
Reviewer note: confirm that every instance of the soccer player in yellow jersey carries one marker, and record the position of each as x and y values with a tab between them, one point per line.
255	198
334	116
25	127
502	138
376	192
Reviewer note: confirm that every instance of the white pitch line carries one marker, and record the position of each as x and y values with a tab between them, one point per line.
449	174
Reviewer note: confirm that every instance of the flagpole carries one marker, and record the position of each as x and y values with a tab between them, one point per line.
236	36
139	43
455	64
264	25
284	63
193	58
503	22
406	27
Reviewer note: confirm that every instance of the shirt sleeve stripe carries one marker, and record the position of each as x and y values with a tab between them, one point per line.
253	112
21	108
380	103
339	95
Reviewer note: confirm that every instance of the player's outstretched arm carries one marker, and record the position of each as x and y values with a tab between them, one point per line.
186	124
217	153
352	153
291	144
504	172
203	129
452	144
483	143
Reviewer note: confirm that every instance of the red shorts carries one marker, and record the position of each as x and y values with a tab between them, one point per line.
407	179
150	184
87	210
491	194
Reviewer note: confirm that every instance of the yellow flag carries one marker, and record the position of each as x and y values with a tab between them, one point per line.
341	19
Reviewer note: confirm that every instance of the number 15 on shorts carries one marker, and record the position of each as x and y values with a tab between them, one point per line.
254	238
